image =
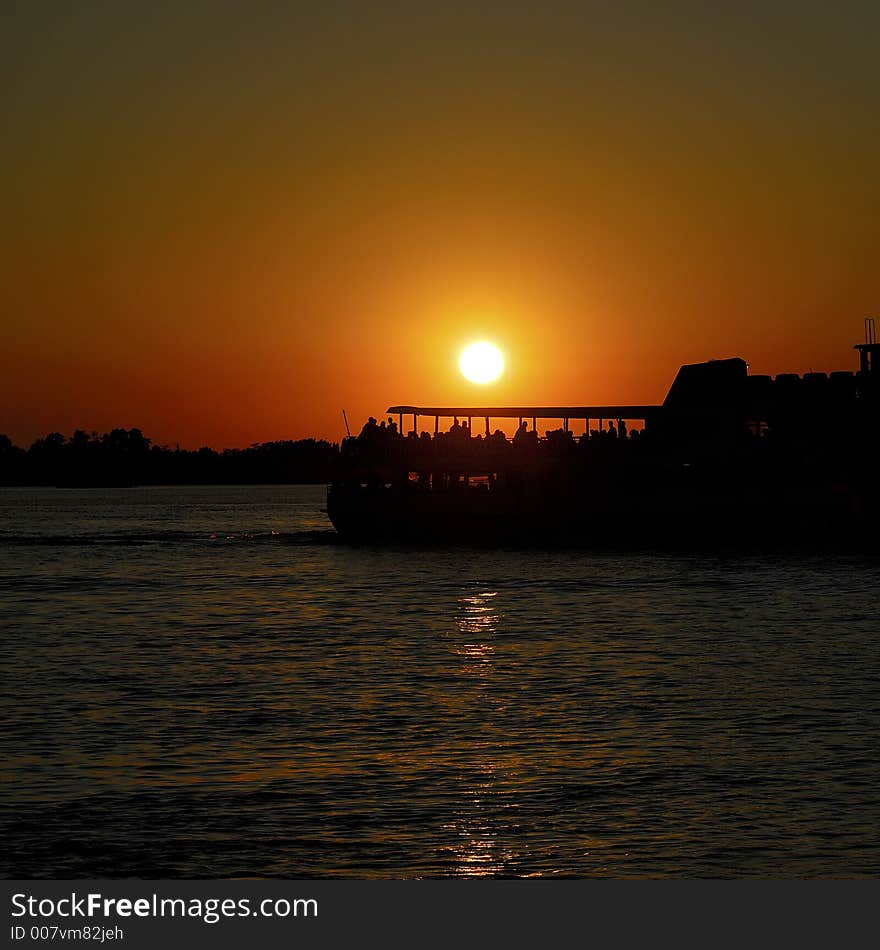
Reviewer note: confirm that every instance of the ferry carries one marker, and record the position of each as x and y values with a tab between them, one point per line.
728	455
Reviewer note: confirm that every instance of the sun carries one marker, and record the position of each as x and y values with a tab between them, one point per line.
481	362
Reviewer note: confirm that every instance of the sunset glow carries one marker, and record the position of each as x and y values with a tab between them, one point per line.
220	258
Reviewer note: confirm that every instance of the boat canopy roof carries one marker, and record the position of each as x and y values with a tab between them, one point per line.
530	412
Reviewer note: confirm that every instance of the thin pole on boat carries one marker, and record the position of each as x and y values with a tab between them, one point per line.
345	420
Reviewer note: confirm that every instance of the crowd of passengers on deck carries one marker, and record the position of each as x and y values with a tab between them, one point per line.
376	435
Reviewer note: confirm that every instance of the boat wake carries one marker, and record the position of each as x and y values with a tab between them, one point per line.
140	538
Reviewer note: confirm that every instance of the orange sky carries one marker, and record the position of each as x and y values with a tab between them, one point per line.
224	227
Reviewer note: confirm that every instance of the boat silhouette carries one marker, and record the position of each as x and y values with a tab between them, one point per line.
726	456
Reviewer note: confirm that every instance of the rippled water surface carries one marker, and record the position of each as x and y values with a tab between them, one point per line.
200	682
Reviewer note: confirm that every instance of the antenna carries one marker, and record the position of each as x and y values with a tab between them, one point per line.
870	331
345	420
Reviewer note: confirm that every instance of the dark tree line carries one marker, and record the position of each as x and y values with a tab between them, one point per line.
127	457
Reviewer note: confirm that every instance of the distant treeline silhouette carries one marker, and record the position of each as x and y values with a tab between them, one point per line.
127	457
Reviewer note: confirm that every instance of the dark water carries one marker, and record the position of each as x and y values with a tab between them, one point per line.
199	682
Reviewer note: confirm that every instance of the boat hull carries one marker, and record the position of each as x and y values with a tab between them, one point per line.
388	515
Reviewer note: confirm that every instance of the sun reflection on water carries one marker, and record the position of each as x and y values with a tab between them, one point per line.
477	843
478	620
474	837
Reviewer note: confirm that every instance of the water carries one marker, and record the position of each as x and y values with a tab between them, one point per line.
200	682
